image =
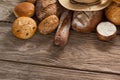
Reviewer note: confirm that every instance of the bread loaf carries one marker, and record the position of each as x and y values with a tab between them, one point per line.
86	22
45	8
24	27
48	25
24	9
112	12
62	33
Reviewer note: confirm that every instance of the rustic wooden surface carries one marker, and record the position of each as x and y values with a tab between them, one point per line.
20	71
84	58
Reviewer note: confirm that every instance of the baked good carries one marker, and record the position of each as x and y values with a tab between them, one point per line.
85	21
106	31
26	9
45	8
62	34
113	12
48	25
24	27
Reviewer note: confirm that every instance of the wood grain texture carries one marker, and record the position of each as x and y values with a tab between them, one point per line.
83	51
6	10
19	71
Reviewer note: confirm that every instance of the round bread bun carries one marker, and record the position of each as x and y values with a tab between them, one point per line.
26	9
86	21
48	25
24	27
113	13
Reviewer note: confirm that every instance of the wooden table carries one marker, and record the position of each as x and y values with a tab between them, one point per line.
84	58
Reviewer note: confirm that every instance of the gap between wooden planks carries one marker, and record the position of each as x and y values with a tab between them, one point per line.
20	71
83	51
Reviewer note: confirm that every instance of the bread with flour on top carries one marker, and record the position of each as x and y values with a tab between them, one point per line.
85	21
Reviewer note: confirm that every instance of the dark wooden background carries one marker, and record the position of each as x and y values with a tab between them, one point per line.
83	58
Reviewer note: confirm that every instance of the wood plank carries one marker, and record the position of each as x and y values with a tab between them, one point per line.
6	10
83	51
19	71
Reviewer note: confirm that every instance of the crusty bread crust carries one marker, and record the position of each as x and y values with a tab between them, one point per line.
86	22
48	25
24	9
62	33
24	27
46	8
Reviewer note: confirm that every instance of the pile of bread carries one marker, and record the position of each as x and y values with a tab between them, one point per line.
53	17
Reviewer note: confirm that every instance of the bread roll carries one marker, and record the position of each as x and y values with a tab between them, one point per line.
24	27
86	22
113	12
48	25
62	33
45	8
24	9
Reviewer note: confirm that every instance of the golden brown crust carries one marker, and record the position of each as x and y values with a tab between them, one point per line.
86	22
24	27
112	13
62	33
24	9
48	25
46	8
